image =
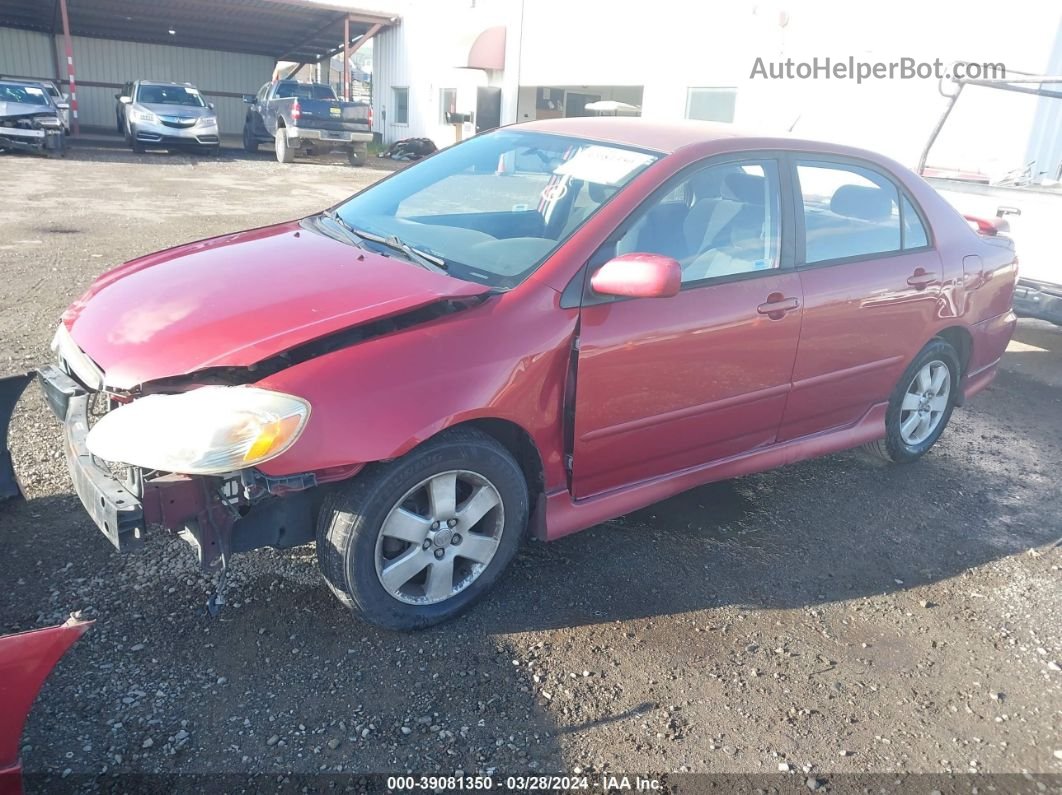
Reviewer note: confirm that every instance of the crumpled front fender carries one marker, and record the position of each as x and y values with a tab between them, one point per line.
26	659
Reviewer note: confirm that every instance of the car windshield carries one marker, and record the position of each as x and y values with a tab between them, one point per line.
305	91
169	95
495	207
28	95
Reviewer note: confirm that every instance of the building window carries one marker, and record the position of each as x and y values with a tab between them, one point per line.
401	106
711	104
447	104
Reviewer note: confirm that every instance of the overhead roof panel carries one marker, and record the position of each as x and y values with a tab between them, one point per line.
292	30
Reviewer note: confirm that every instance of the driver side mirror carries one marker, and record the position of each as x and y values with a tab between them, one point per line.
126	100
638	275
248	98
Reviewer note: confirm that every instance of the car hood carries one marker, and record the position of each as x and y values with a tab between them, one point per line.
241	298
11	109
180	111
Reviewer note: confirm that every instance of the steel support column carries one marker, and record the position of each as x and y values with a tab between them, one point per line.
75	127
346	59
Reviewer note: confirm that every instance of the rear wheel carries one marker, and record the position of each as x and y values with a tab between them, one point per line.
357	156
285	154
415	541
921	404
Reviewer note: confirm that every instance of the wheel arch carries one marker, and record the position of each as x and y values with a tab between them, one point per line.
520	445
961	340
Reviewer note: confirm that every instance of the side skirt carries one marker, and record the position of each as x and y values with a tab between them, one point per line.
565	516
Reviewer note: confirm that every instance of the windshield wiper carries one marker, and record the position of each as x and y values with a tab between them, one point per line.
393	242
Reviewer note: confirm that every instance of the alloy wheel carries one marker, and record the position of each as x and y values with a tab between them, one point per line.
925	402
440	537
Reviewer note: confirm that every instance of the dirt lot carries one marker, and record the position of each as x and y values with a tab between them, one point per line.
835	616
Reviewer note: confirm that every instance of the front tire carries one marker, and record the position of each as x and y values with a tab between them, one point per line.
920	405
285	154
250	140
413	542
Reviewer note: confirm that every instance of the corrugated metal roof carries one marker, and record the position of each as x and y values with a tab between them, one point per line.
290	30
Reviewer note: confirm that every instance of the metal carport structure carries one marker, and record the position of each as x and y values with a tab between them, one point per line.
93	45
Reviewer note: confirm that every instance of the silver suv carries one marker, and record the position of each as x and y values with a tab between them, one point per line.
167	116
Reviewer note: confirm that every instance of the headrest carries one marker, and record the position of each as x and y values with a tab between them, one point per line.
707	183
599	193
747	188
859	201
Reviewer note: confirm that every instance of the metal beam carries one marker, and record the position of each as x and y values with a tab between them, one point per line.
358	41
311	38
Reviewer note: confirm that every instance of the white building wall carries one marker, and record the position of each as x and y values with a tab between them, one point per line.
670	45
424	52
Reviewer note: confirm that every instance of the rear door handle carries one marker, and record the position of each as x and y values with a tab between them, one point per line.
776	306
921	279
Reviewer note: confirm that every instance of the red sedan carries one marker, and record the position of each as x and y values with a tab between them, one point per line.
533	331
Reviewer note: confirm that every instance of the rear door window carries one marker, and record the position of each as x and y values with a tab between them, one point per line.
849	211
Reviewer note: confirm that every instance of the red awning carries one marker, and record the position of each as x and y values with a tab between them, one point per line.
488	50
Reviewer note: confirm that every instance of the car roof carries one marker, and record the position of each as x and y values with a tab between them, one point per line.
23	81
163	83
669	136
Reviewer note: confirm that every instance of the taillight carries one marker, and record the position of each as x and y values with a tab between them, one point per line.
370	115
296	110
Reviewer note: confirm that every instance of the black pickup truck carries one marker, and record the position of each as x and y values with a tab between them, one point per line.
306	118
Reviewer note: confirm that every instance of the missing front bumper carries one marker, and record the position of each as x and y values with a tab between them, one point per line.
188	505
115	510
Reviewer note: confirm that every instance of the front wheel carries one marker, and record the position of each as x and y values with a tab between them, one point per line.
921	404
415	541
250	140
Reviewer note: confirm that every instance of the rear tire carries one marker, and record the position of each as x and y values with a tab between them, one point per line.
285	154
452	512
920	405
357	156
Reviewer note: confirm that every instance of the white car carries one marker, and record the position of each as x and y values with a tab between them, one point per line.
169	116
51	88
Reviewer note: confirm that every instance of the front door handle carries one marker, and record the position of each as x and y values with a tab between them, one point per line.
776	306
921	279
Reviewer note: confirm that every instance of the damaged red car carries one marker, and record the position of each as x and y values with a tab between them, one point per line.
530	332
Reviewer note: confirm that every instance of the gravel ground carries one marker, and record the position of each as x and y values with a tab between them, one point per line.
831	617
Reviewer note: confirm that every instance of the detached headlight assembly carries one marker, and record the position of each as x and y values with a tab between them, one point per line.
207	431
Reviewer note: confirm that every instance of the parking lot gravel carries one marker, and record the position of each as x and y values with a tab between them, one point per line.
831	617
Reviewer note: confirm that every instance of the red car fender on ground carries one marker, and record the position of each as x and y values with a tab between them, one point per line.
26	659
